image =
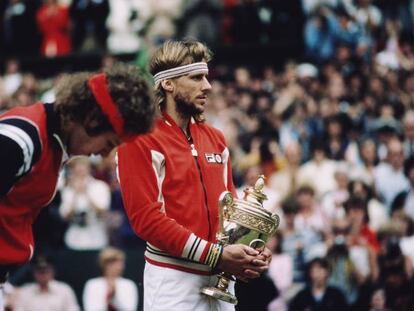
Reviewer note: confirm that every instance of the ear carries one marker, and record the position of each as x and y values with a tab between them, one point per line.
167	85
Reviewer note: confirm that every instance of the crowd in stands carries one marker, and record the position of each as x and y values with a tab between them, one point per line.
333	133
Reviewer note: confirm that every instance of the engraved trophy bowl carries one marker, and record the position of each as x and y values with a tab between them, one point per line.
245	222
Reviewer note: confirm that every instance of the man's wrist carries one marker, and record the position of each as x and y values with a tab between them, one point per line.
213	256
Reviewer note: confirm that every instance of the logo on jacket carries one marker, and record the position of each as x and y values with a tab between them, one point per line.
214	158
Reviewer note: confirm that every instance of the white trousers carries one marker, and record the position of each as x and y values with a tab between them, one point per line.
168	289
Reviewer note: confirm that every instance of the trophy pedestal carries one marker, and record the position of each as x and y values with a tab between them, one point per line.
220	291
219	294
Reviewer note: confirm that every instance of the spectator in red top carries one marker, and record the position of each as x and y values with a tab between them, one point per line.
357	213
53	23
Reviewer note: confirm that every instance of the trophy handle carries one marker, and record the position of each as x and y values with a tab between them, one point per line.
225	203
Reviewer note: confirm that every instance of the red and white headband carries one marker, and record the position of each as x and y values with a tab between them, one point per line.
194	69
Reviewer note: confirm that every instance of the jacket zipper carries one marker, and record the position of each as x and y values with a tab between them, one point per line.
195	156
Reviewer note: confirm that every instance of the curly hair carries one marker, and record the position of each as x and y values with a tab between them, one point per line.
174	54
128	89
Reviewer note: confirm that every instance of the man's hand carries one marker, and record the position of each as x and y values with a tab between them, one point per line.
242	261
264	256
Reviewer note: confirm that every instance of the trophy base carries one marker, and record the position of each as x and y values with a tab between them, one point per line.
219	294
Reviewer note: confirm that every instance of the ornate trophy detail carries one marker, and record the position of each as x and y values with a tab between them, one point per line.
242	222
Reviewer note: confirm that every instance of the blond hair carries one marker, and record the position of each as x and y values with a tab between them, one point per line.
108	255
174	54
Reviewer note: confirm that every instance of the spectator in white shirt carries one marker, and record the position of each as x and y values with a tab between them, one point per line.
111	291
85	201
46	294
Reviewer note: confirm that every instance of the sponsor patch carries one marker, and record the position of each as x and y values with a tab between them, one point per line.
214	158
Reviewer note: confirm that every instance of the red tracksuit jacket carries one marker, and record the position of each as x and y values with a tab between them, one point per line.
35	185
170	189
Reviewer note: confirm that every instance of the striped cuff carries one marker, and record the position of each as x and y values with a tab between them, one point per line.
199	250
194	248
213	255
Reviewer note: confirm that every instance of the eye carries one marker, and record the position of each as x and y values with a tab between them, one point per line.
198	77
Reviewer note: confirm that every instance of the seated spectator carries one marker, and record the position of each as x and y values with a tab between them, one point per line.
396	272
377	212
332	202
319	166
111	291
405	199
318	295
85	201
344	273
389	175
300	244
280	271
285	180
310	215
46	294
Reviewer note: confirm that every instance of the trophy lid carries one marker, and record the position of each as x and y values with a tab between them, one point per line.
255	194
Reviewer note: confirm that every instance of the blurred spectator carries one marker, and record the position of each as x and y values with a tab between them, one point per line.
335	139
318	295
319	166
12	78
362	241
300	244
89	24
280	271
125	20
310	215
389	175
46	294
53	22
285	181
396	272
20	37
404	225
368	160
85	200
405	199
200	20
377	213
408	124
111	291
378	300
162	21
332	202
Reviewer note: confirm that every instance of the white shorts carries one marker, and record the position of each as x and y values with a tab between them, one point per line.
167	289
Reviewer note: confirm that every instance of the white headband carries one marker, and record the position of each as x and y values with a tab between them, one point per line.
194	68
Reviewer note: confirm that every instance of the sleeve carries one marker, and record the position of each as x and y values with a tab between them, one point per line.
141	184
20	148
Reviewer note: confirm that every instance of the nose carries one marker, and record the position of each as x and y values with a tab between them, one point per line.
206	85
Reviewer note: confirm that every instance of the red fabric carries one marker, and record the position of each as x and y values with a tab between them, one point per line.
182	190
371	238
20	207
53	23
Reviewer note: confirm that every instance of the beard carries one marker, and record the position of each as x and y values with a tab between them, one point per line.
186	109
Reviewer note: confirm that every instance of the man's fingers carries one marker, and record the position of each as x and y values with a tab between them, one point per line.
250	251
259	262
251	274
